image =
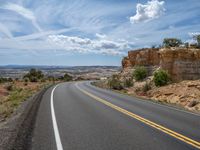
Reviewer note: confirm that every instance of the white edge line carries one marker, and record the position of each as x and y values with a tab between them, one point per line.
55	126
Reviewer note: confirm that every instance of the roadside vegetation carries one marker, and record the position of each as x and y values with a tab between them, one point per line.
156	83
140	73
139	76
15	91
114	83
161	77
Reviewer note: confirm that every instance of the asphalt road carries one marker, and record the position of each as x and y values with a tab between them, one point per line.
79	116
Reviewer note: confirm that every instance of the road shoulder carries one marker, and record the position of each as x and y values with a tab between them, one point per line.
16	132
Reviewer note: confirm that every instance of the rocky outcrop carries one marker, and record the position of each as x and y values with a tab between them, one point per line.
144	57
185	93
181	63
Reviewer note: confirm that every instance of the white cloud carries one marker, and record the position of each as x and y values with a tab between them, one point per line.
149	11
85	45
26	13
101	36
42	34
5	31
69	44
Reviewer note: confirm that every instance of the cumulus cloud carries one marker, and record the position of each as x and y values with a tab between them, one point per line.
149	11
74	40
85	45
26	13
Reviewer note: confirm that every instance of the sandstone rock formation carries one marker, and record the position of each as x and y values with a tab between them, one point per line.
181	63
144	57
185	93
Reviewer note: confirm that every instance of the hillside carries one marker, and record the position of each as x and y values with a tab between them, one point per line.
181	66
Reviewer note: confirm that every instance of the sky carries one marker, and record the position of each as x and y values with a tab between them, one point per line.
89	32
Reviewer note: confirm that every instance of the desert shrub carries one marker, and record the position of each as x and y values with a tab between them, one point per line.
9	87
114	83
34	75
67	77
140	73
26	79
51	78
146	87
10	80
128	82
3	80
161	77
43	80
33	79
171	42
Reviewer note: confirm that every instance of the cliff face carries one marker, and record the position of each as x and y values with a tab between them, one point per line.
144	57
181	64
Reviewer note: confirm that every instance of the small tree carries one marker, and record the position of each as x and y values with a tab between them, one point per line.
161	77
67	77
34	75
171	42
197	38
140	73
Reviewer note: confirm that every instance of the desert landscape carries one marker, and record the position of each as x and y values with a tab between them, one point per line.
177	78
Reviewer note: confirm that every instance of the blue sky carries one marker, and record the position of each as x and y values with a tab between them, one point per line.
89	32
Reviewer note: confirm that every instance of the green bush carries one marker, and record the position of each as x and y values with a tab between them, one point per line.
171	42
34	75
33	79
140	73
115	84
3	80
67	77
161	77
128	82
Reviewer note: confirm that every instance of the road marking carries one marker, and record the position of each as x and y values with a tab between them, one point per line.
152	102
55	126
146	121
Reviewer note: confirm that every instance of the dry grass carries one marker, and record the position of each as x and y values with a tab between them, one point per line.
10	99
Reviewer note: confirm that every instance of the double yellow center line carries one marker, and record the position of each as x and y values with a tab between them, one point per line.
146	121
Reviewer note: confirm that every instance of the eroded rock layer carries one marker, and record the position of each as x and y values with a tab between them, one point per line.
181	63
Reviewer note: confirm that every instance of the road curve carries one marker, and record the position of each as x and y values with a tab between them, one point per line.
79	116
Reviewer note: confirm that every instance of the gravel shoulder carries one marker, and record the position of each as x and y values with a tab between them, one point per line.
16	132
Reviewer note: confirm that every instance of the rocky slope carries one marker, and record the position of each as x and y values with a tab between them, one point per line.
182	64
185	93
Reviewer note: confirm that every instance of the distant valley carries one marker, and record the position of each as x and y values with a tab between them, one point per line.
85	72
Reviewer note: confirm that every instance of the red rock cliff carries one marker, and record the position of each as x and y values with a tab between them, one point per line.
182	64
